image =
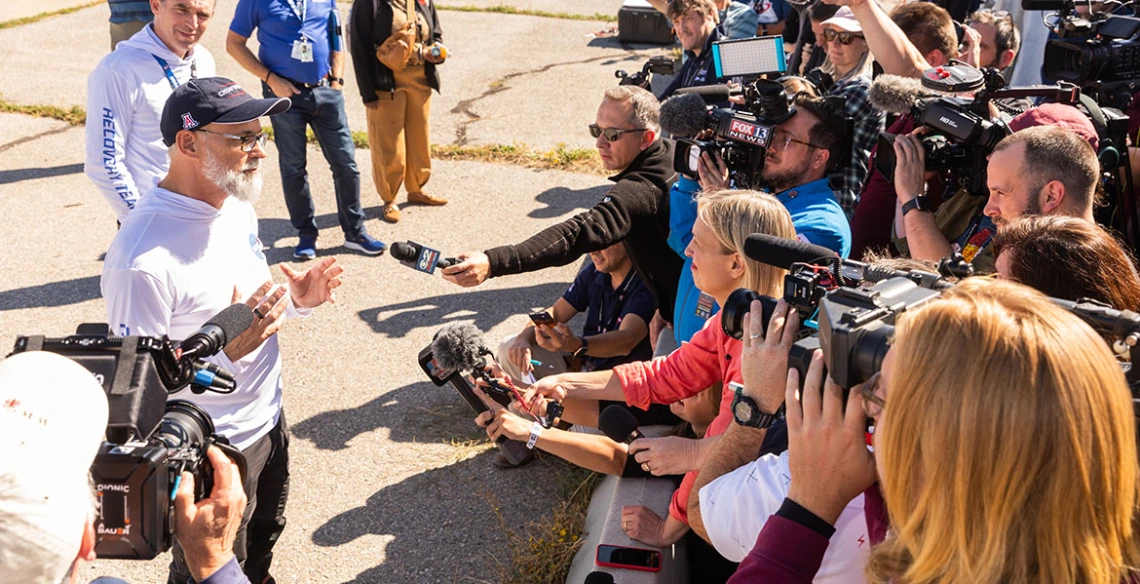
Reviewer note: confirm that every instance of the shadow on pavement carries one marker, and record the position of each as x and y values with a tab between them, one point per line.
491	307
431	511
561	200
53	294
419	412
20	174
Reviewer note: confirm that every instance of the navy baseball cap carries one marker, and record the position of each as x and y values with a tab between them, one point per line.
213	100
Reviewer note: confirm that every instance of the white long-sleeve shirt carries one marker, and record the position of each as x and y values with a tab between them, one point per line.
125	96
174	265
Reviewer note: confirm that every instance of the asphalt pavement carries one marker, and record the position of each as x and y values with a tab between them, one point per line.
391	480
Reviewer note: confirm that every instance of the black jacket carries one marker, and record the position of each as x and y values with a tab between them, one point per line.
636	211
371	26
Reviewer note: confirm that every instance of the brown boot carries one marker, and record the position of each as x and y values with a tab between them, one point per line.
390	213
422	198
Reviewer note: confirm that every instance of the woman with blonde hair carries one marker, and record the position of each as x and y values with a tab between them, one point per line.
725	219
1012	461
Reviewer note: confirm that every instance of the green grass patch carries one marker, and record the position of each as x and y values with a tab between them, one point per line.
525	12
75	116
39	17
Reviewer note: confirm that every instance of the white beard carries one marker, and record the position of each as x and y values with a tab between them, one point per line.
234	182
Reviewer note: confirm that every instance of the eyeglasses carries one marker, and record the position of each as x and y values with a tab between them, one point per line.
247	142
845	38
782	140
873	403
611	134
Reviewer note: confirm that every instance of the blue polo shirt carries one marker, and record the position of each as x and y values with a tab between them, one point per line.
606	308
278	27
817	216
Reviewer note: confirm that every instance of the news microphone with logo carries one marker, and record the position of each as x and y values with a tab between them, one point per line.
620	425
419	257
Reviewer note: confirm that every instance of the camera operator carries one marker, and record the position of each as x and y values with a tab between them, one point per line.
695	23
982	463
1043	168
190	249
52	417
634	212
996	42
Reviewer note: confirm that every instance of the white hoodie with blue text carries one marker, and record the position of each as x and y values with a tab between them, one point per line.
125	96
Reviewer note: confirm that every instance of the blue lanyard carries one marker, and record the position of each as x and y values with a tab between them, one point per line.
300	12
170	74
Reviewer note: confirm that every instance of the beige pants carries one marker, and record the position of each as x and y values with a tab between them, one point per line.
124	31
399	136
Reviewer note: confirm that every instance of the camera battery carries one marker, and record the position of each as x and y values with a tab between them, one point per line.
638	22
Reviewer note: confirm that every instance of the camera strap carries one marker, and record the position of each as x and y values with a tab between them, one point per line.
125	367
35	343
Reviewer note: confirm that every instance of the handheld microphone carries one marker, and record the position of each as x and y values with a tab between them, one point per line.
895	94
620	425
683	115
712	93
420	258
782	252
218	331
459	346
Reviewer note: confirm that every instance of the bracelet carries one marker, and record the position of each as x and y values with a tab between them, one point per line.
267	76
535	431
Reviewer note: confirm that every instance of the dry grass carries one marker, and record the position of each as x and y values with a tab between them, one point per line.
525	12
75	116
39	17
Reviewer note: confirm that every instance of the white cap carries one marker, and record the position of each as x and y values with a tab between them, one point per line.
53	414
844	19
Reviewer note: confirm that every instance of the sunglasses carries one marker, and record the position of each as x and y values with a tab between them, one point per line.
611	134
845	38
247	142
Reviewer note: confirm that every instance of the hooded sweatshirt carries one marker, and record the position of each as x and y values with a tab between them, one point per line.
125	96
175	264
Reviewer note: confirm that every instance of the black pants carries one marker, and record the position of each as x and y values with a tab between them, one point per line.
267	488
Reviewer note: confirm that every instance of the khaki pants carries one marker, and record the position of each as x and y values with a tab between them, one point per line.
125	30
399	136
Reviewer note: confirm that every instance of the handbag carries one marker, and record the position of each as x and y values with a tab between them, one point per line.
397	49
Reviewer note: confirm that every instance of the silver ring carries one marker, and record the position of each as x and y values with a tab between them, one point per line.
755	336
257	312
645	467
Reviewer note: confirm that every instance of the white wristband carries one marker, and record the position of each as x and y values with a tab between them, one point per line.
535	431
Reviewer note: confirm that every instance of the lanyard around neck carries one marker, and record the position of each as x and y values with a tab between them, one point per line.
170	78
299	11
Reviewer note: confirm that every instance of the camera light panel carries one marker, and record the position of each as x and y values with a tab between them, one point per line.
749	57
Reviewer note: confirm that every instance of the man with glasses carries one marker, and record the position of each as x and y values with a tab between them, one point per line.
300	57
189	250
635	210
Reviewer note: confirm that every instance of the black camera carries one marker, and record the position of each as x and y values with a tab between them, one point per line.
149	442
1099	51
659	65
741	137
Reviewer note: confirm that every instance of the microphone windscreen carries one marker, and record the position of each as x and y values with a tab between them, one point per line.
404	252
599	578
781	252
617	423
683	115
457	346
233	320
710	93
895	94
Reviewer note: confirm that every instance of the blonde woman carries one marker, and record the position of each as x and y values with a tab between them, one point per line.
724	220
1014	461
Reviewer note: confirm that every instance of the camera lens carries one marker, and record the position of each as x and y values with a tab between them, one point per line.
184	424
738	304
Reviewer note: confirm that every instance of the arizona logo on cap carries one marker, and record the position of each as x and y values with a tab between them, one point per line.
188	122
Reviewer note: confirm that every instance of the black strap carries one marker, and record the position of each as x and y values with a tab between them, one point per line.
35	343
125	367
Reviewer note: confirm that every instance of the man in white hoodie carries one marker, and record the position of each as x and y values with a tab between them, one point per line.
190	249
126	93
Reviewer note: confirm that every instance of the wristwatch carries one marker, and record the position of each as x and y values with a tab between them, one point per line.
332	80
581	352
919	203
747	413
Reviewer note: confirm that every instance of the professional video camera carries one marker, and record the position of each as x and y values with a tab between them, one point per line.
150	442
1099	51
659	65
963	133
458	355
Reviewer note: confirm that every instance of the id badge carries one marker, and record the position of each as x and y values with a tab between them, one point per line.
705	306
303	50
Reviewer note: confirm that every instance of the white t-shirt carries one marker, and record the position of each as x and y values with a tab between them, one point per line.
125	95
735	506
173	266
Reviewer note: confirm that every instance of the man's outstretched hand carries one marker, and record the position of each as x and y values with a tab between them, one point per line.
472	271
314	287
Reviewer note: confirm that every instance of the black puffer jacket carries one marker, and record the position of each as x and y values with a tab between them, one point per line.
636	211
372	25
